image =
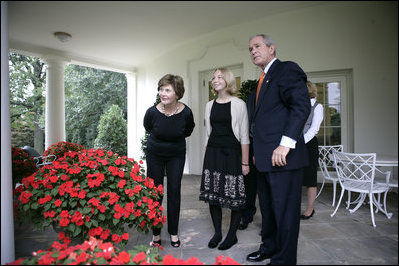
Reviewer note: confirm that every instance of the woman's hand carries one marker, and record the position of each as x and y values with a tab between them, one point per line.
245	169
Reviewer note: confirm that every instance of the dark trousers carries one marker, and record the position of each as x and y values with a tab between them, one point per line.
250	182
280	204
174	167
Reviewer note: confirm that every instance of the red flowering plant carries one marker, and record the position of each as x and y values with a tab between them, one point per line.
92	193
23	165
95	251
60	148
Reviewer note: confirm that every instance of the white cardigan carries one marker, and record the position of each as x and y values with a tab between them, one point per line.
239	120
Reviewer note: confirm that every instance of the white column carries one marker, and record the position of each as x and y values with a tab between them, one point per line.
55	100
7	221
133	143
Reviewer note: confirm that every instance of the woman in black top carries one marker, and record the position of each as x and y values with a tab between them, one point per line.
168	123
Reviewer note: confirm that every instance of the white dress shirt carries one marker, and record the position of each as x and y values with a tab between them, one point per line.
316	121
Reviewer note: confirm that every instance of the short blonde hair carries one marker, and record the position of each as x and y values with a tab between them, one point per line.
312	89
228	76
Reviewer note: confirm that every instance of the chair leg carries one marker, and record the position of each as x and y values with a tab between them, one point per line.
322	185
339	202
389	215
359	202
371	209
334	192
348	203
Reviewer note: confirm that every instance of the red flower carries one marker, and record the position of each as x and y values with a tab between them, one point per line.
24	197
124	257
122	183
58	203
140	257
64	222
82	194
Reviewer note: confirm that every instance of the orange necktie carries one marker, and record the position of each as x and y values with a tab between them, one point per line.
259	85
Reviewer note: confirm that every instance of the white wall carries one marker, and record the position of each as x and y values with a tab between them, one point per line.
361	36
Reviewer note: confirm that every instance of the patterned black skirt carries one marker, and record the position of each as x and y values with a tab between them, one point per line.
222	180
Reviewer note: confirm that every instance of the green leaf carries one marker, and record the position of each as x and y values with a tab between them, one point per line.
101	217
115	221
95	223
71	227
54	191
86	210
77	231
83	202
88	224
101	261
35	205
73	203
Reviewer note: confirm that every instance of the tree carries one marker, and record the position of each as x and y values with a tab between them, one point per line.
88	93
27	101
112	131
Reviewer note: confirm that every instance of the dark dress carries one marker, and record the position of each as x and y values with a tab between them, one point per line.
222	180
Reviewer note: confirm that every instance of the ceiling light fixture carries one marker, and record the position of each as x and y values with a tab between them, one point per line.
62	36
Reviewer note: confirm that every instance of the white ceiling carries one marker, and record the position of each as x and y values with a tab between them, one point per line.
123	35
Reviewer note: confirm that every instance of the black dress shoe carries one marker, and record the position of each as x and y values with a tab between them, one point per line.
258	256
242	226
304	217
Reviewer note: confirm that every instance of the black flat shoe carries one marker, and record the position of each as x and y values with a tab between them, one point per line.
225	246
304	217
214	242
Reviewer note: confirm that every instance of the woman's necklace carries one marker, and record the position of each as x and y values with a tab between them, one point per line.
164	111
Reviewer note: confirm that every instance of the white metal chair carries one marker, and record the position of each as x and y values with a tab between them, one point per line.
326	162
356	172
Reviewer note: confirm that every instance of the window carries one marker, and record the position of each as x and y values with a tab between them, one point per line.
334	92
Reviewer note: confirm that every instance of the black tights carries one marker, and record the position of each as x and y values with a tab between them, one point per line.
216	214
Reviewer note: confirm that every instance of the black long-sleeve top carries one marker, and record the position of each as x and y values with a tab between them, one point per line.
168	133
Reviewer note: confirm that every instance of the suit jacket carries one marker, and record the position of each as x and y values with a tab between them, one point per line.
283	108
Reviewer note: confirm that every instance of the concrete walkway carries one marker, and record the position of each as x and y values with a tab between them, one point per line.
343	239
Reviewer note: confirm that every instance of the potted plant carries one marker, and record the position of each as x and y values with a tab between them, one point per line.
92	193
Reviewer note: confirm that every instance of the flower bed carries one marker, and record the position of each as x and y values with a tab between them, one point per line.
92	193
97	252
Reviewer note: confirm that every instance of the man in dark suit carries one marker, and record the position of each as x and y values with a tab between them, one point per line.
277	114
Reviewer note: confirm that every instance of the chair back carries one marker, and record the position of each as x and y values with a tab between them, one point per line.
355	170
325	154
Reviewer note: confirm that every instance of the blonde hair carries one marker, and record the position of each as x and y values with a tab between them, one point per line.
230	80
312	89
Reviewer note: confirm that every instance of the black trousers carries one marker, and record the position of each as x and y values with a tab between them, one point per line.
280	205
173	167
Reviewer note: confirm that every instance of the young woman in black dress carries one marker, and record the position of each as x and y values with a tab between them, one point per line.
226	156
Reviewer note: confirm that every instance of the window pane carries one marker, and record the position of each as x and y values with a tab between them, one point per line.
329	95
